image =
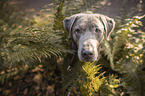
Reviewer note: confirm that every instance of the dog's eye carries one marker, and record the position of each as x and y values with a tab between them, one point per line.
97	30
78	32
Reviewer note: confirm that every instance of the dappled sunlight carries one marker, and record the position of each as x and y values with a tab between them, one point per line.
38	59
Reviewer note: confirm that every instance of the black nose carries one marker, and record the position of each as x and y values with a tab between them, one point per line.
87	54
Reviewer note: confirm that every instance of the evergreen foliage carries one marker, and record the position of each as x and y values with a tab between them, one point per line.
91	81
131	43
95	83
25	42
22	42
33	59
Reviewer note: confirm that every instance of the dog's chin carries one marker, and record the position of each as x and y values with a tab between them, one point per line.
88	59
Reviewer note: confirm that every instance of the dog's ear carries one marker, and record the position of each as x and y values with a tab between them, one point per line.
68	24
108	23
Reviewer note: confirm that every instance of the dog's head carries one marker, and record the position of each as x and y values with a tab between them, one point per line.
87	31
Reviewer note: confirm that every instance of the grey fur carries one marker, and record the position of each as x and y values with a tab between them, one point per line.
87	31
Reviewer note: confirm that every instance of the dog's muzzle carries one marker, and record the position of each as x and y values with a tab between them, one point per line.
88	50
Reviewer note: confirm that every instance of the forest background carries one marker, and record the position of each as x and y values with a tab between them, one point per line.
34	52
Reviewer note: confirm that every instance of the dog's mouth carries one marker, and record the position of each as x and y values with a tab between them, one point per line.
87	59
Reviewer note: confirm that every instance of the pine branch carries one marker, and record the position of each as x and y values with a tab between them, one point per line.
131	42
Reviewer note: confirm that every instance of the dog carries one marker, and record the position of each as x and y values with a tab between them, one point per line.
87	30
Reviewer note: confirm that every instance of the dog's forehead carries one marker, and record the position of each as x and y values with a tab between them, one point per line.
88	20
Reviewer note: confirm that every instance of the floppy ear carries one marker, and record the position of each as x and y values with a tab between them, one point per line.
109	25
68	24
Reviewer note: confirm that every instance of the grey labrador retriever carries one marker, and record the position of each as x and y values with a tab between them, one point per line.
87	31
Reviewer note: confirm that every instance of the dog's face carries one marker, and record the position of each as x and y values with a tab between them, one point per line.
88	31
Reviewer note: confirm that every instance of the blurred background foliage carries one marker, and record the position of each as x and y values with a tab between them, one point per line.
35	54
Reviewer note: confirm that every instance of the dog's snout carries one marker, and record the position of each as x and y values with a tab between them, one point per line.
87	53
87	50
